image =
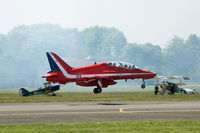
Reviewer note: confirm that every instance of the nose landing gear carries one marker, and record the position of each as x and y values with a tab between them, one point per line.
143	84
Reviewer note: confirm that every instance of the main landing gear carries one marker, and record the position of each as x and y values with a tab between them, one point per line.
97	90
143	84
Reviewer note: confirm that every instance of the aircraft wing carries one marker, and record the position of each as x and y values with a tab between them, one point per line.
166	84
186	78
177	77
160	77
159	84
179	83
96	81
171	77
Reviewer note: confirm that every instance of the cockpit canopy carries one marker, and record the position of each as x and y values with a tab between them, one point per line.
123	65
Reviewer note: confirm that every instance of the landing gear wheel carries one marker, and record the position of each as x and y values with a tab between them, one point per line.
97	90
143	86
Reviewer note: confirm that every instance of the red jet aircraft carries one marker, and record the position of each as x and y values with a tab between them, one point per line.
100	75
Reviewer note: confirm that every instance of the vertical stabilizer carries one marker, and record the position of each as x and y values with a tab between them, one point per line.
23	92
56	62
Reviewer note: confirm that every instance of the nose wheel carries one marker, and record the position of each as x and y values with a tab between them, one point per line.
97	90
143	84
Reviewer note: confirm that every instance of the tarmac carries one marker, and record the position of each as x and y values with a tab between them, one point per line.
73	112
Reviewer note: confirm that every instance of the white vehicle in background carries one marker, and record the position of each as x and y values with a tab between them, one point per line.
188	91
168	86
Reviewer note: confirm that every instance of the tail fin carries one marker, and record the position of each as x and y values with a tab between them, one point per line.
23	92
56	63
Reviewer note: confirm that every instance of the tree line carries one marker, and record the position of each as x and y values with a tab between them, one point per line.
23	60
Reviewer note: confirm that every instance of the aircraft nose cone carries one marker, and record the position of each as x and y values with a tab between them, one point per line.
149	74
152	74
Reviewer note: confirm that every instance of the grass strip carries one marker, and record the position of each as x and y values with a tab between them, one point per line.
107	127
83	97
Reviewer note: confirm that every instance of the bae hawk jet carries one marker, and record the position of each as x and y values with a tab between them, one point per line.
99	75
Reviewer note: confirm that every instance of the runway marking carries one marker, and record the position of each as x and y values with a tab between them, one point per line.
58	113
121	110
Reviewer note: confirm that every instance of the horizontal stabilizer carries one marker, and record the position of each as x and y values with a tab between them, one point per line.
50	74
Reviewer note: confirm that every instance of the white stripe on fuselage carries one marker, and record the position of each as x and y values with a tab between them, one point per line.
67	75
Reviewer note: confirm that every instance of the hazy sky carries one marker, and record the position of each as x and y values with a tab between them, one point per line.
155	21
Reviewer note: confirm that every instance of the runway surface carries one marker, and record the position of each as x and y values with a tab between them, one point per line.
53	112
